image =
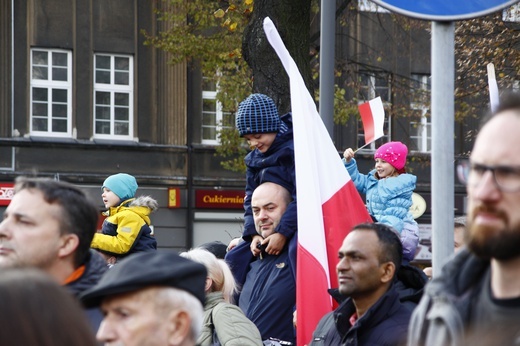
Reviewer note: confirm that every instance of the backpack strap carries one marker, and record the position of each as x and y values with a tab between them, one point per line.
214	337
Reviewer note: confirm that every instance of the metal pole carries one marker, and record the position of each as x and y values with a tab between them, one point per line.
443	107
327	39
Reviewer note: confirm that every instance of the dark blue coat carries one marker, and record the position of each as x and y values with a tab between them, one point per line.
268	296
276	165
385	323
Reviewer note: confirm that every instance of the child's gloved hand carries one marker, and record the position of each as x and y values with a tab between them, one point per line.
348	154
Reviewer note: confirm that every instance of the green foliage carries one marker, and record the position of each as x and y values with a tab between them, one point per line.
478	42
208	34
232	149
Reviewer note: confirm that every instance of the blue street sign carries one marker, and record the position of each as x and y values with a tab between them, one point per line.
445	10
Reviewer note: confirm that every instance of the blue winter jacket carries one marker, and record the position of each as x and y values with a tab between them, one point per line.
387	200
384	324
276	165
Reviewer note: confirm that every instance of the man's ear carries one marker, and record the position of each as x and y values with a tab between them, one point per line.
69	244
387	272
179	327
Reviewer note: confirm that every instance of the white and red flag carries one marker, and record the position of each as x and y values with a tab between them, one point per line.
328	202
373	117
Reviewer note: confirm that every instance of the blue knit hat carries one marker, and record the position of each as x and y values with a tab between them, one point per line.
257	114
122	184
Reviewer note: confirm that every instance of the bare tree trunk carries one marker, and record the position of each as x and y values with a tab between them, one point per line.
292	19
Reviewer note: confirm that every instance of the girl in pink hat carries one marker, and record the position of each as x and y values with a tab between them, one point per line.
388	190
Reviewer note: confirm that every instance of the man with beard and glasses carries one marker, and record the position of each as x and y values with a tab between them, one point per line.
476	298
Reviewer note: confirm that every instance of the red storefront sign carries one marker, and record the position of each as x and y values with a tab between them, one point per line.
6	193
219	199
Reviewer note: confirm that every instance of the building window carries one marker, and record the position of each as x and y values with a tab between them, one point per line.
213	118
113	97
372	86
511	14
420	128
51	92
369	6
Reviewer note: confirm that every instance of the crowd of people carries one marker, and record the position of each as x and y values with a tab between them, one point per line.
66	283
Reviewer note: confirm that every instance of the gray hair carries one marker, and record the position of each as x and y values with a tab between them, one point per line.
169	298
460	221
218	272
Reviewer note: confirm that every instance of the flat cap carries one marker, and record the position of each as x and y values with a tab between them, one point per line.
147	269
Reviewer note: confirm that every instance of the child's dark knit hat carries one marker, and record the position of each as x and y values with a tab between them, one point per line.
122	184
257	114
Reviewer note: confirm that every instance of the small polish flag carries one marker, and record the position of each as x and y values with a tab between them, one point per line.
373	117
328	202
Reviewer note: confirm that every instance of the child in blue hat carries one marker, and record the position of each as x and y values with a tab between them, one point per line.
127	227
271	160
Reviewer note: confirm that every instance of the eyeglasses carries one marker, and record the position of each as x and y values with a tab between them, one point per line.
507	178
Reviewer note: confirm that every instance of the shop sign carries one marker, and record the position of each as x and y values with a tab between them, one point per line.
6	193
219	199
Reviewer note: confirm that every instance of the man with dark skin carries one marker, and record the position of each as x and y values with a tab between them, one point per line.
372	314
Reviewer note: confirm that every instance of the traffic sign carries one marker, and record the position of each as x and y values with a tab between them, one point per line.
445	10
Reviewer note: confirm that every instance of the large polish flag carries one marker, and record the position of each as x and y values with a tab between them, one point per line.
373	117
328	202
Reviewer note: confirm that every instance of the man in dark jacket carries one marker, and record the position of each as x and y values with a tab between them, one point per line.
476	298
268	293
372	314
49	225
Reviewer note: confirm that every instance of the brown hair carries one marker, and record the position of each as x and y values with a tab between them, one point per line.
35	310
79	215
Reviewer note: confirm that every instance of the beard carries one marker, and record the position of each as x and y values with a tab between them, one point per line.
489	242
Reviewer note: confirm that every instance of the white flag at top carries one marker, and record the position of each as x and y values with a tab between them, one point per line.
493	87
328	202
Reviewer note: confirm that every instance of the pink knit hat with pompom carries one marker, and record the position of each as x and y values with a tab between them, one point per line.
394	153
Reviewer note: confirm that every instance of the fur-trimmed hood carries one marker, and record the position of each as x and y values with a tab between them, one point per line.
145	201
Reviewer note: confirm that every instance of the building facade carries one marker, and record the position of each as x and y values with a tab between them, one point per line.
82	97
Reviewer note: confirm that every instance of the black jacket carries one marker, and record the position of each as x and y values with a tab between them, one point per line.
95	267
385	323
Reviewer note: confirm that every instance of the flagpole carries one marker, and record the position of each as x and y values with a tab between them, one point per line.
361	147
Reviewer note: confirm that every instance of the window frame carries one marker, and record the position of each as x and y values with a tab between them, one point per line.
369	6
50	85
219	113
423	126
112	88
